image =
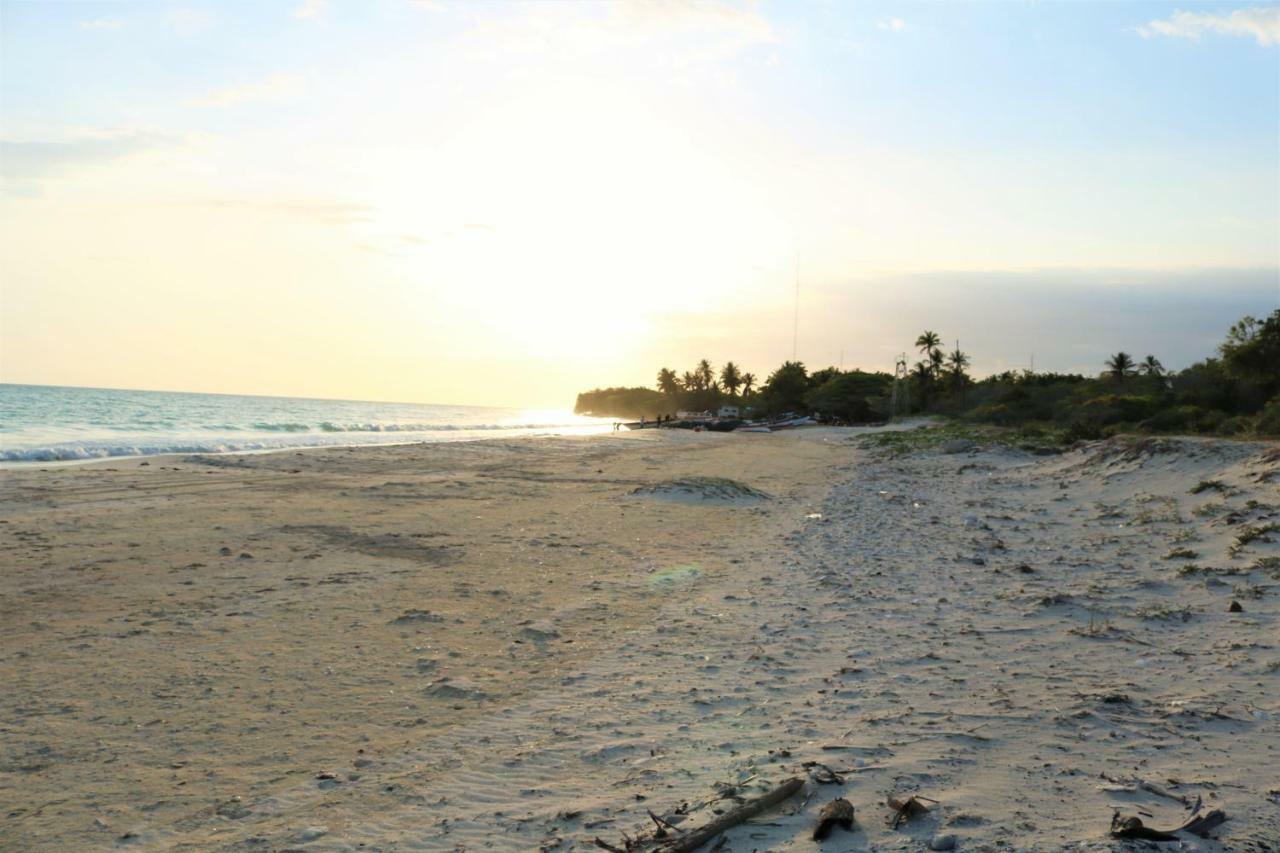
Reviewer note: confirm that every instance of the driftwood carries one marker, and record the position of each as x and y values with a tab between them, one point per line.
1134	783
838	812
749	809
1132	827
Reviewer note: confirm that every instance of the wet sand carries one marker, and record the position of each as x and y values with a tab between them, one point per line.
526	644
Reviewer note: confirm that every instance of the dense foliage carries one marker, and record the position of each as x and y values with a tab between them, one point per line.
1236	392
621	403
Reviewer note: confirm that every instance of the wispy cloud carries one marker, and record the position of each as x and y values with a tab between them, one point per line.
1260	22
320	211
186	21
674	35
277	87
429	5
896	25
692	15
100	24
309	9
26	164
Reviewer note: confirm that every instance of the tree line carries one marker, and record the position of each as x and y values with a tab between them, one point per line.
1234	392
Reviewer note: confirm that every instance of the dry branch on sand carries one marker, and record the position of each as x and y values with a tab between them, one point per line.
696	838
747	810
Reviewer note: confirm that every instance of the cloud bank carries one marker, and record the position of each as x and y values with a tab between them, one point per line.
1261	23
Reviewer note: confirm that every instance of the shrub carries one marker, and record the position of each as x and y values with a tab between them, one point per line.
1268	420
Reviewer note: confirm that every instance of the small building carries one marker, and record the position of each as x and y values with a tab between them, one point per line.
727	412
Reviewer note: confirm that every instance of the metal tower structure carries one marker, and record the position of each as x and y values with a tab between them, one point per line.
901	401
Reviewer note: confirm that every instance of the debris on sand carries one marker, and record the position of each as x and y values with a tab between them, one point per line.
1132	827
908	808
413	616
838	812
702	490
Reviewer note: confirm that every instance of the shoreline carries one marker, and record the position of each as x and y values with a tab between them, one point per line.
27	464
528	643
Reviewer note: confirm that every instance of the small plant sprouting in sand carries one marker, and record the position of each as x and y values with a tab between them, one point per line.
1248	590
1209	510
1163	612
1256	533
1185	535
1161	507
1181	554
1267	564
1206	485
1189	569
1098	625
1106	511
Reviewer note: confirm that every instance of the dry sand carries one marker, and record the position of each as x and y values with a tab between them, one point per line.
527	644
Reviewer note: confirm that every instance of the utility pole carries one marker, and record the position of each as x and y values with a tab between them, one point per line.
795	322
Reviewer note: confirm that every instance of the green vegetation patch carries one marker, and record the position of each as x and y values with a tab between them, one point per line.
1253	533
673	575
899	442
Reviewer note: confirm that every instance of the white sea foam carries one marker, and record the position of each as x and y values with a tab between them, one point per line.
49	424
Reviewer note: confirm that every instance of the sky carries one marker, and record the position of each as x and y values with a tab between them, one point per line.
507	203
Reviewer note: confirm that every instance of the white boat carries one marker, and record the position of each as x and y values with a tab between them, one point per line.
753	428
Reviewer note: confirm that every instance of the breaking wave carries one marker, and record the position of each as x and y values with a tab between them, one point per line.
51	424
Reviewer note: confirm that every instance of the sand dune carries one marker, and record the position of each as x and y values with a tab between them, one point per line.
529	644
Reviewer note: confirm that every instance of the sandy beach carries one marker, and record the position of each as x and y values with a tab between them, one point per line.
528	644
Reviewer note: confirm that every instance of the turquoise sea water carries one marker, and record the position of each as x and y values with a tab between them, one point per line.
41	423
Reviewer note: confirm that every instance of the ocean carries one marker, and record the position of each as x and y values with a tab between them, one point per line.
41	423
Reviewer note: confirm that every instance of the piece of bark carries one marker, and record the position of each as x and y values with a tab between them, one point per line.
838	812
747	810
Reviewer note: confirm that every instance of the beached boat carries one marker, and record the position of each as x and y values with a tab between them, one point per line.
786	421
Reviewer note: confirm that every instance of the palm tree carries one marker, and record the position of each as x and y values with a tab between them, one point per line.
748	382
1151	366
957	361
928	344
730	378
689	382
1120	365
706	376
928	341
668	382
936	360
